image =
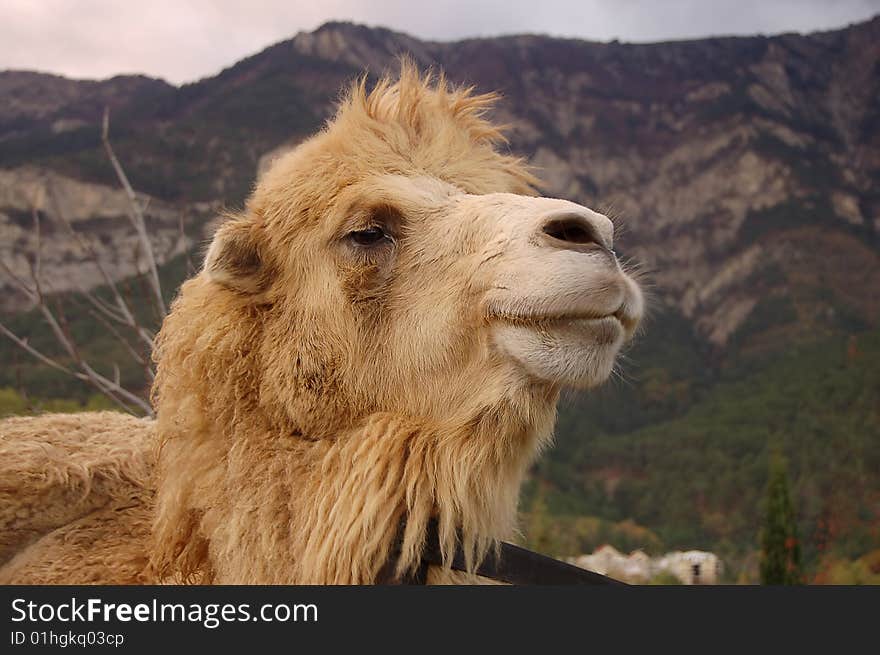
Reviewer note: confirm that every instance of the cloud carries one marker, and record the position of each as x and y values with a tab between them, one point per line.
183	41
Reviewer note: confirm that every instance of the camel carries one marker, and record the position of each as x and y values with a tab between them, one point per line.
376	342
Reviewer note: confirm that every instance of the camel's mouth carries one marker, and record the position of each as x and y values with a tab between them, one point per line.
621	319
568	346
601	329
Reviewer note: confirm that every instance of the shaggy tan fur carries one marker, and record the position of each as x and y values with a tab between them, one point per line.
69	483
314	389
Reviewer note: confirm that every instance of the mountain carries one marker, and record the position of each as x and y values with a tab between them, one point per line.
743	173
727	160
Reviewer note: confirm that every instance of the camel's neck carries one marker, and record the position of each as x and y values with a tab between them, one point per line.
259	507
245	496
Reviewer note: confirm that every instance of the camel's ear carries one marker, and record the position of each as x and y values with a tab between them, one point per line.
235	258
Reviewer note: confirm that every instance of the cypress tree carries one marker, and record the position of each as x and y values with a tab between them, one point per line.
780	549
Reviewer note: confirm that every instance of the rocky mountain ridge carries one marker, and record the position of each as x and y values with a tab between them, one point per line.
743	171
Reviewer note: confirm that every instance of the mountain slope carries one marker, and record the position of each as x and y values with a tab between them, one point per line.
714	154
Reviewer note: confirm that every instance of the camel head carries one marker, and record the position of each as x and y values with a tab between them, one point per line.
398	262
382	332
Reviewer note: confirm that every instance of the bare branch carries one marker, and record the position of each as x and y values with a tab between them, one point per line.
123	306
24	345
136	214
38	263
64	326
21	284
113	391
104	385
190	267
108	391
135	355
105	309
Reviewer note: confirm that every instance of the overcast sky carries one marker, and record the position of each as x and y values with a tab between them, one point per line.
184	40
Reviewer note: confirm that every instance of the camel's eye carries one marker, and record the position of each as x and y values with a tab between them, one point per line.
372	236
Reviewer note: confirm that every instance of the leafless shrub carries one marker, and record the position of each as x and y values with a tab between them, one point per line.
115	315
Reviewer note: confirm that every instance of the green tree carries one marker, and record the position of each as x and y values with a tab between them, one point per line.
780	549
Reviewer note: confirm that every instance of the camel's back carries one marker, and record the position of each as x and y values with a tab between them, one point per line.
62	472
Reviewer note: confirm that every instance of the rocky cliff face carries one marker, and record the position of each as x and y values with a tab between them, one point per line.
97	213
743	171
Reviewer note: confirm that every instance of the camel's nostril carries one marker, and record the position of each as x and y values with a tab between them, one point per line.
571	229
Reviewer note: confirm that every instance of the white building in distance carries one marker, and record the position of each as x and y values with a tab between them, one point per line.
691	566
